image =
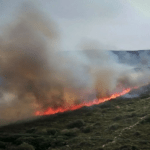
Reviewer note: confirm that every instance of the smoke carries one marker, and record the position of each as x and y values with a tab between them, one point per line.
35	75
27	68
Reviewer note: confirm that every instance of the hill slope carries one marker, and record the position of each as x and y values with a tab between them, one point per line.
138	58
119	124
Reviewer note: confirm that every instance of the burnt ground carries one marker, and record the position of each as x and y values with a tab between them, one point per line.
119	124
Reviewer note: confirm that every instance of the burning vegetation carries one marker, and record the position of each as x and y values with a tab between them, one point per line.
74	107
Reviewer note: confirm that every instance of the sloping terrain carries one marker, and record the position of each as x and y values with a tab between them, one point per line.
119	124
138	58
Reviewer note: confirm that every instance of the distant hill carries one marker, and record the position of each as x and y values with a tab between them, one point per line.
134	57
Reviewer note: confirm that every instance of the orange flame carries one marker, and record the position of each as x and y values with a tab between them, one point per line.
51	111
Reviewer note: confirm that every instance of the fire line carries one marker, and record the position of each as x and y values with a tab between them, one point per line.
51	111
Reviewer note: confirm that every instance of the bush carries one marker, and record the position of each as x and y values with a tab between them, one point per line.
76	124
98	124
146	120
137	133
29	140
71	132
131	109
9	138
130	115
2	144
117	118
32	130
88	114
105	105
114	126
128	147
41	131
86	129
52	131
23	146
36	142
58	142
44	145
52	142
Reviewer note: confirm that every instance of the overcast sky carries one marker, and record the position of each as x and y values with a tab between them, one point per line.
110	24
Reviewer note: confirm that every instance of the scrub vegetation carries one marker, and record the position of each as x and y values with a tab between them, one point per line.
119	124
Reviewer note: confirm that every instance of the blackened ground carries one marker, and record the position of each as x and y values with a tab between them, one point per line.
119	124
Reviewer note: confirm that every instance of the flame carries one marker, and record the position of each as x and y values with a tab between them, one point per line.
51	111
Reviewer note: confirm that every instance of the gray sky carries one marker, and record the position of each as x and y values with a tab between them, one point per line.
112	24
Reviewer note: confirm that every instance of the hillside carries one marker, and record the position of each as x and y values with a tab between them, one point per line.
138	58
119	124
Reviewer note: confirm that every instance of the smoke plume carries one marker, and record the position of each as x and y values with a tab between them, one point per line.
35	75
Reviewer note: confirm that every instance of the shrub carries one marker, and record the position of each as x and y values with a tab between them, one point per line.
88	114
9	138
146	120
137	133
71	132
44	145
105	105
76	124
58	142
128	147
29	140
86	129
32	130
41	131
2	144
98	124
23	146
52	131
114	126
117	118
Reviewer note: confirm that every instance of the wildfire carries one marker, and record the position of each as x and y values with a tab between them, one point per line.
51	111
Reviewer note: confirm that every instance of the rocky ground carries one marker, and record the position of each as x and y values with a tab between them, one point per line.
119	124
